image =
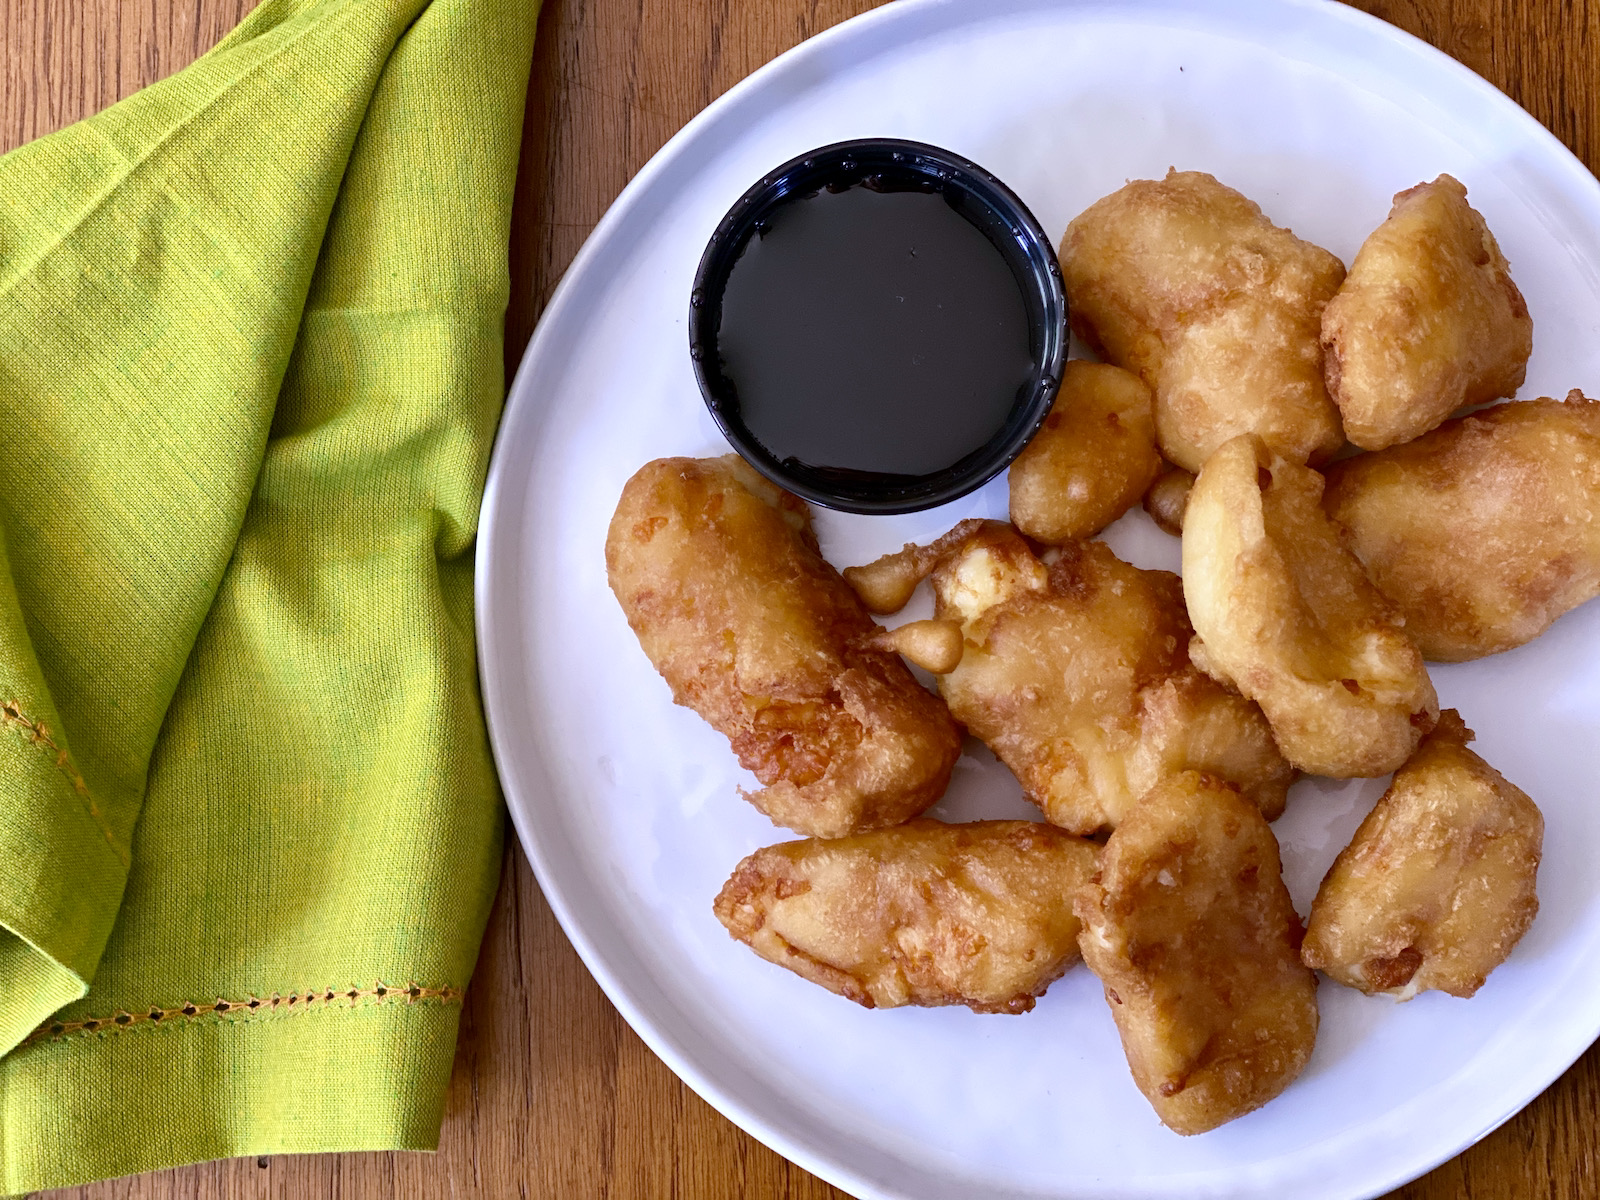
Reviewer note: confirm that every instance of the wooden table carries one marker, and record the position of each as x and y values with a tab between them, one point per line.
553	1096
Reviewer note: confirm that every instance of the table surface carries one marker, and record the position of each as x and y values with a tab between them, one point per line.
552	1094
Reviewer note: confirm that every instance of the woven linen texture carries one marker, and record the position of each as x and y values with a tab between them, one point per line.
250	368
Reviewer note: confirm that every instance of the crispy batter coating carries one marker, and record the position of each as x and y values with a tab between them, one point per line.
1092	459
1167	498
885	584
1285	614
1427	321
1076	674
1185	282
1484	531
720	578
1191	930
1438	884
932	645
925	913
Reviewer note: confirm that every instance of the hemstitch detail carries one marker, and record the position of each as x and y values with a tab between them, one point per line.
232	1010
12	717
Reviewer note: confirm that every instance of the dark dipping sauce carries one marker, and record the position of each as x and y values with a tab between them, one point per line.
873	330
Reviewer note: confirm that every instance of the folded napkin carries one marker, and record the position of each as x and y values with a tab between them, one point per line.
250	367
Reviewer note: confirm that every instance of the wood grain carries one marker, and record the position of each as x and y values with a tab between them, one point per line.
552	1095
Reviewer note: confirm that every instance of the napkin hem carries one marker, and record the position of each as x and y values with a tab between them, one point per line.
36	986
368	1076
59	905
381	992
14	718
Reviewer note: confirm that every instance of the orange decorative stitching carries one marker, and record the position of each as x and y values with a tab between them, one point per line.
231	1010
12	717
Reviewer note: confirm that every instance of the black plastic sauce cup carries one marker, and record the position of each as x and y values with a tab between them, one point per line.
985	202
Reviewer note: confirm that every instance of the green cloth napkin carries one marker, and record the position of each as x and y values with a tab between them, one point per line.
250	367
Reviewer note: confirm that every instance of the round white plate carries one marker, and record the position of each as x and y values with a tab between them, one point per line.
628	807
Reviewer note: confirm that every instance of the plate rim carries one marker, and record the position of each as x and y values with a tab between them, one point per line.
500	486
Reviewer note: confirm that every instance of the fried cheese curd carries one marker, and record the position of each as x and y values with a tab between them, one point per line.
1190	928
1438	884
1167	499
1286	615
1484	531
925	913
1091	460
1076	674
1426	322
1185	282
719	575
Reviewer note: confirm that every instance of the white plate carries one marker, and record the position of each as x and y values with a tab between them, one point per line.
627	806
